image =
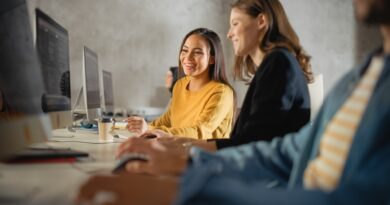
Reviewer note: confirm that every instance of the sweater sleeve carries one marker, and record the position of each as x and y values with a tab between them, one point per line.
214	112
272	98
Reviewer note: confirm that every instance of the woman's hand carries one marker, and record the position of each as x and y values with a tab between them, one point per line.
157	133
164	158
137	125
128	189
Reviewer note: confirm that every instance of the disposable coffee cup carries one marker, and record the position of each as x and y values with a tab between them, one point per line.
105	125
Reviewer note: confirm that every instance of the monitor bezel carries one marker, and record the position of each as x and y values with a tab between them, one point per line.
107	107
58	118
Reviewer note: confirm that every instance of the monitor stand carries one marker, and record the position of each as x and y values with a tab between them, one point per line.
73	131
65	131
74	109
80	125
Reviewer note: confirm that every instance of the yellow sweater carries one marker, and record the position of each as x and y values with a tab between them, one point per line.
203	114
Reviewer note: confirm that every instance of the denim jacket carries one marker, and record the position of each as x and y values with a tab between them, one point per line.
272	172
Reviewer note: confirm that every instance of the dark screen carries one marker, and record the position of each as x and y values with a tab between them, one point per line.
108	89
53	49
91	78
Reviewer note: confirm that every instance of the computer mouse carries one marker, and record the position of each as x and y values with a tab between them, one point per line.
128	158
150	136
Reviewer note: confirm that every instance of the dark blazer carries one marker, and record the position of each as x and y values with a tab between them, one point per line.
277	101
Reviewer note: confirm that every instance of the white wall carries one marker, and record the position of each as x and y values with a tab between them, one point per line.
138	40
329	33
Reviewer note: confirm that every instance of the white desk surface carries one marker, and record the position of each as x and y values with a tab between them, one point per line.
56	183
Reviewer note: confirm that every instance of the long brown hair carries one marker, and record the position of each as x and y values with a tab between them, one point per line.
217	71
280	34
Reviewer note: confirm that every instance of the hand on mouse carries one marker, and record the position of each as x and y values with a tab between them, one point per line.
164	158
136	124
155	134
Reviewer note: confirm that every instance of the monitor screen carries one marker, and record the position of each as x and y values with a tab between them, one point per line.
52	44
108	91
53	49
22	121
91	83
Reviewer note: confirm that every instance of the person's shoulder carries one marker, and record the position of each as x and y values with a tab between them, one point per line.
277	62
180	85
184	79
281	58
182	82
221	87
280	53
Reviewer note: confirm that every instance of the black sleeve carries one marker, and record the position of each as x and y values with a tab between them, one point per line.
272	98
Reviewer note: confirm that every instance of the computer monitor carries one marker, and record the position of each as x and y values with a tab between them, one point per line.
22	121
91	85
108	94
52	44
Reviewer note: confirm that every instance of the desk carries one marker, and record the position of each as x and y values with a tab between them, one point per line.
56	183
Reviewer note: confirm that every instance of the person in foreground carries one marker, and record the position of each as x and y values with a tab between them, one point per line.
343	158
202	104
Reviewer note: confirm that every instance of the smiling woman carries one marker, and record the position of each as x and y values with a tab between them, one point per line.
203	101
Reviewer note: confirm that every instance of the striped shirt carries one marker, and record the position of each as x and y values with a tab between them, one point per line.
325	170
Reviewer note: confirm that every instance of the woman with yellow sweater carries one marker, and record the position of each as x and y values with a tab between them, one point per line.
203	101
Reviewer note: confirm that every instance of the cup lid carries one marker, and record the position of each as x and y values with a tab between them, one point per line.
105	120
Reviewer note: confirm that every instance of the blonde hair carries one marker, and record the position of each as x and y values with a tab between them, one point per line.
280	34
